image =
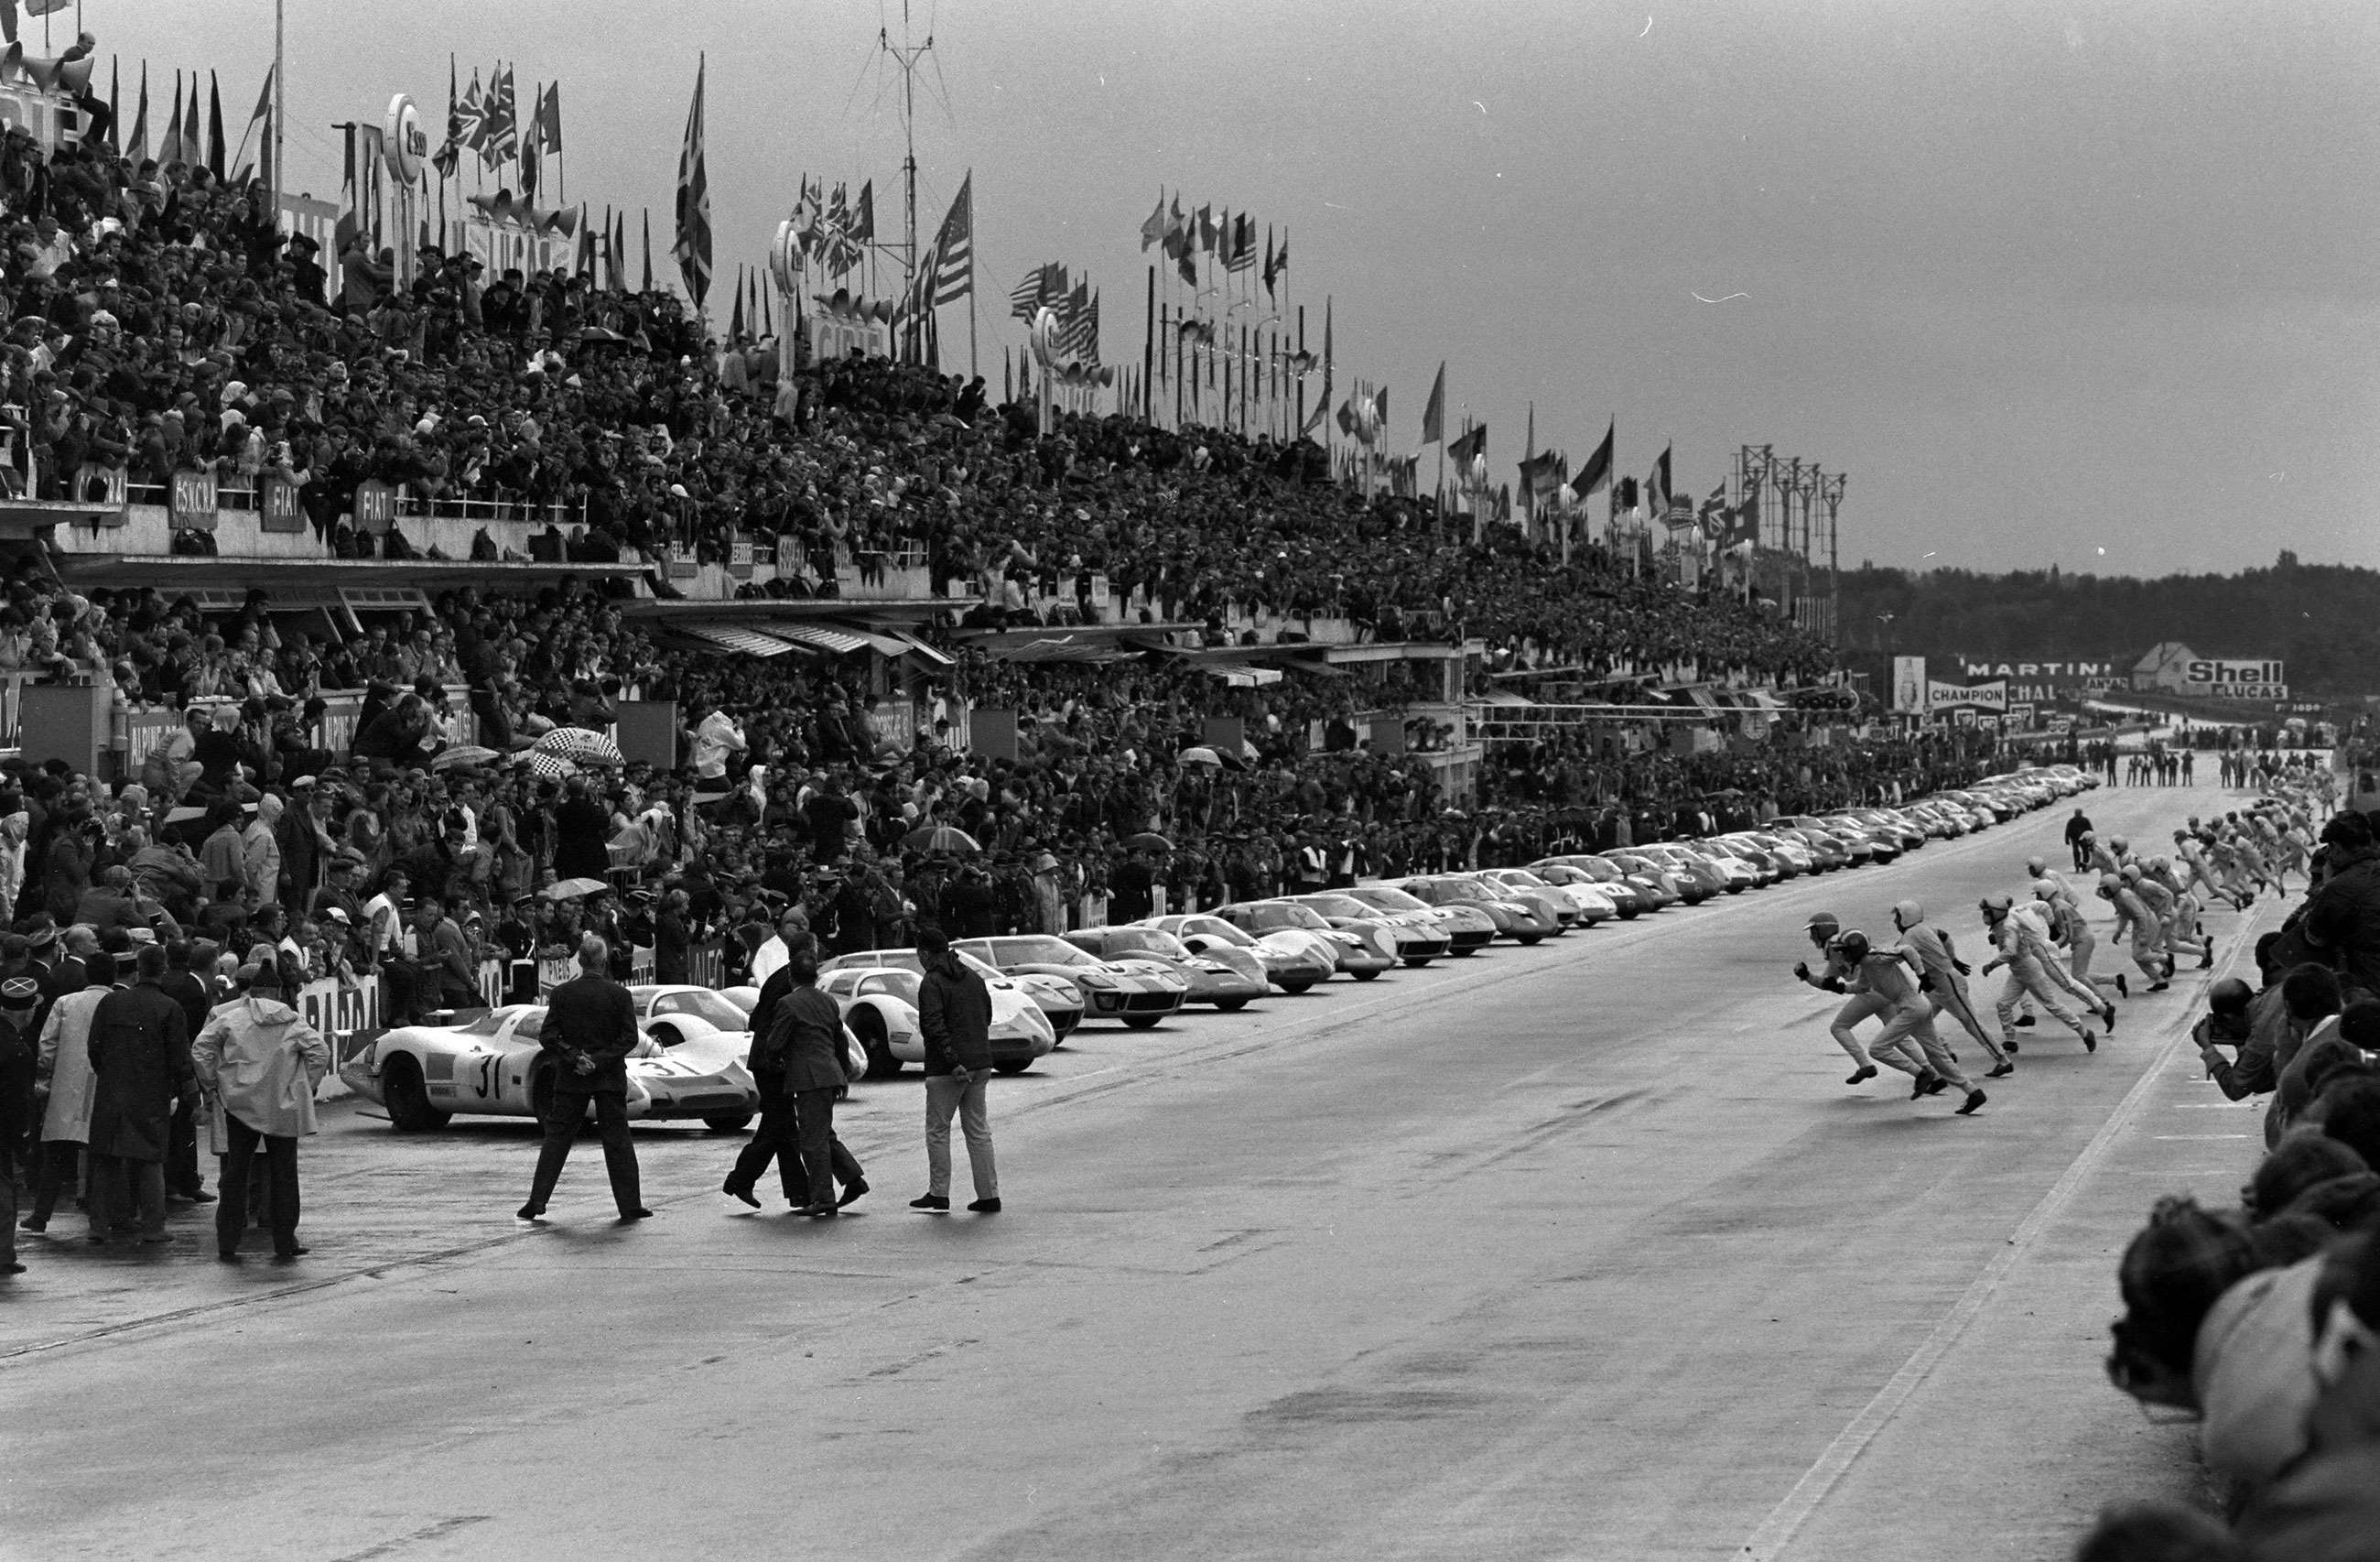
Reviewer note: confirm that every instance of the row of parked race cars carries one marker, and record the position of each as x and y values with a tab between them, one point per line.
690	1063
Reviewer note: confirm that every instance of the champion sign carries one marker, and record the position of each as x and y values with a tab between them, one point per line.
1940	696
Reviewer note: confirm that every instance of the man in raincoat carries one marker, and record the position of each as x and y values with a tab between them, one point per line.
258	1063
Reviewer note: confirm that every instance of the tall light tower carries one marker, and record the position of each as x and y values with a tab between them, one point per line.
908	57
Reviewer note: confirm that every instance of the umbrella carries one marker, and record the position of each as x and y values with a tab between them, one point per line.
1149	841
466	753
574	889
939	837
580	745
1198	756
552	767
184	816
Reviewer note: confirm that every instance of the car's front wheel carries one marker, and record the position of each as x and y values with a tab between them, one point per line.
728	1122
1230	1006
406	1097
1012	1064
1142	1021
1415	962
1364	975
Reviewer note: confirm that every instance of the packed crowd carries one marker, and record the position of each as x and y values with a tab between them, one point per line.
2260	1319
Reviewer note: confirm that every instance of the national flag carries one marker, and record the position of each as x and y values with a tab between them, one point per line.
114	105
1074	318
1624	495
647	285
548	129
471	115
259	134
1279	265
532	165
1042	285
1657	486
138	147
500	133
169	149
1203	227
1243	256
215	127
449	156
693	246
1468	446
1433	415
1185	256
955	246
1543	474
863	216
1177	228
620	252
1714	504
736	320
1597	470
1153	230
1321	406
1747	521
1347	419
194	146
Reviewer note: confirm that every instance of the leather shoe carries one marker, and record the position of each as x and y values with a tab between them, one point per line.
819	1212
626	1215
529	1211
735	1191
853	1192
931	1202
986	1206
224	1255
289	1255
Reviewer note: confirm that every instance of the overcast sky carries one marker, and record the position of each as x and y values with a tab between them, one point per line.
2083	283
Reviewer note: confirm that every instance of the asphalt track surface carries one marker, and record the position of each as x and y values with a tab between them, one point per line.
1583	1250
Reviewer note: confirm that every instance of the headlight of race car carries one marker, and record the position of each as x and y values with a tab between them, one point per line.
1099	979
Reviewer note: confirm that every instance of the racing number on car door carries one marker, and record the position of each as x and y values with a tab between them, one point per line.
485	1076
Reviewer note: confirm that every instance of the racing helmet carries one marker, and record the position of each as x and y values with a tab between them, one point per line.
2229	996
2120	844
2088	837
1822	926
2035	866
2045	893
2180	837
1852	946
1907	914
1996	906
2129	873
2110	883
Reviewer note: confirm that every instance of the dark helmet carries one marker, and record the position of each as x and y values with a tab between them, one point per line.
1822	926
2229	997
1852	946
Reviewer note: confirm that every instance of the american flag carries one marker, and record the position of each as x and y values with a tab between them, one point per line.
955	246
1042	285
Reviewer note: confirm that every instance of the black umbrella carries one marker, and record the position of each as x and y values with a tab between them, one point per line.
1149	841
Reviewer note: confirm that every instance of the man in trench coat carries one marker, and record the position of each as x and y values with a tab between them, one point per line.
140	1066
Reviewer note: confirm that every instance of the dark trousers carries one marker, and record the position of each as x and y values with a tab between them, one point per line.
59	1160
123	1189
182	1152
778	1139
8	1208
563	1116
814	1130
280	1188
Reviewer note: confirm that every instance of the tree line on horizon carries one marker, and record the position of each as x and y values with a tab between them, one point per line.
2323	619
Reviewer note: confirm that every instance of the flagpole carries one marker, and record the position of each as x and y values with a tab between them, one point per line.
1301	377
280	100
1148	338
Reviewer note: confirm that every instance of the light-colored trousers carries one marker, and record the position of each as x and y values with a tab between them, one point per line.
945	1095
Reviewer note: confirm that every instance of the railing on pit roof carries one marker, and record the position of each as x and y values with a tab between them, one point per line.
468	506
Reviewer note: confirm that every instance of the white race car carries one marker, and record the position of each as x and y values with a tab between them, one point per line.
1140	993
491	1067
877	991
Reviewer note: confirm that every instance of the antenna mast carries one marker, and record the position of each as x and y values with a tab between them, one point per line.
908	57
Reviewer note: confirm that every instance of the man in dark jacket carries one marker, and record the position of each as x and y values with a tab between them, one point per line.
141	1065
806	1033
2341	918
778	1138
19	997
590	1028
955	1013
182	1179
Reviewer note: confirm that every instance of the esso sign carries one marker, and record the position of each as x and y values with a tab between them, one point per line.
402	141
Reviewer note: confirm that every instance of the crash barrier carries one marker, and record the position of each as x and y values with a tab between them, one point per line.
348	1018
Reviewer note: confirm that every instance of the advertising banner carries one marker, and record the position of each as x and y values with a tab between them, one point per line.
2212	676
1941	696
1909	684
